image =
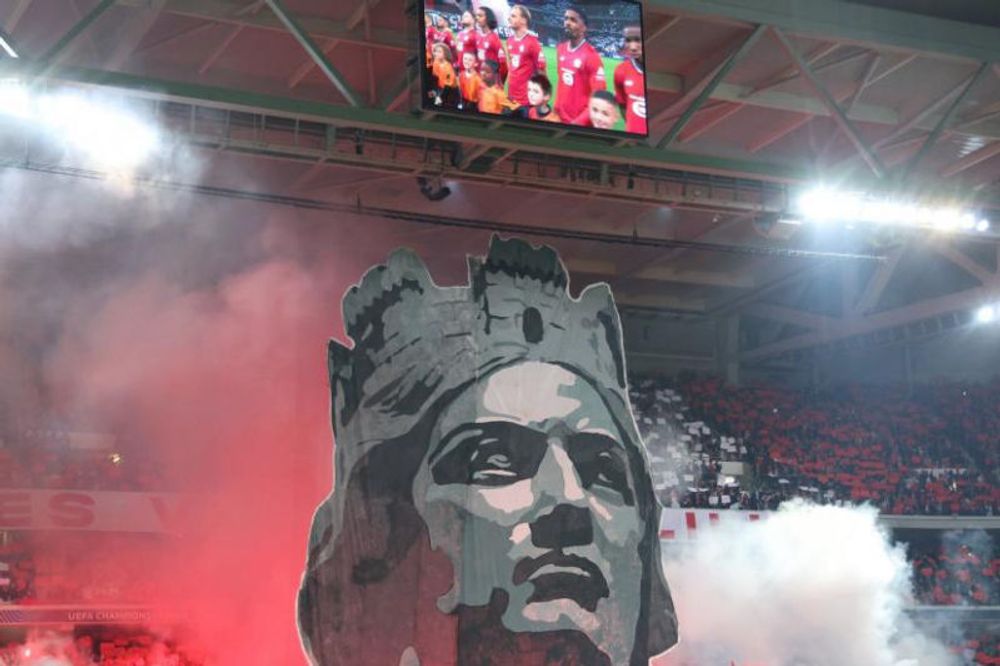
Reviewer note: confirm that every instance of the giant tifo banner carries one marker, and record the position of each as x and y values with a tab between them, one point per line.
491	502
81	510
687	524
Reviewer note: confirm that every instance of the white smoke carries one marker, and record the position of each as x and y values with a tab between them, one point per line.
72	163
810	586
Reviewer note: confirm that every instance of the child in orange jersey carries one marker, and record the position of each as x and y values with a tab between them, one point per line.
445	91
540	99
492	98
469	82
602	110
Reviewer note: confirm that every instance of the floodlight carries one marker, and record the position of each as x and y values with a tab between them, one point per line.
826	204
986	314
109	135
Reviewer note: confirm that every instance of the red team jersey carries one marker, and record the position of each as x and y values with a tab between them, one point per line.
552	117
581	71
526	60
630	92
488	47
465	42
435	36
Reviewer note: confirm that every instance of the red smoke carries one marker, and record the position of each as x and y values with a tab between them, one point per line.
202	342
228	387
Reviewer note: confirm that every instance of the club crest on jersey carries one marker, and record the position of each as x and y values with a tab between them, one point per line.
577	62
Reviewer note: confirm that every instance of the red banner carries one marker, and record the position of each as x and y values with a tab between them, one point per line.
81	510
685	524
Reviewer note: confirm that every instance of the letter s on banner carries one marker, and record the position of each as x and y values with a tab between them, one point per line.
71	510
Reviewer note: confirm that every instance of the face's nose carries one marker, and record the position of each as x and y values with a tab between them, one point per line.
557	478
563	527
569	521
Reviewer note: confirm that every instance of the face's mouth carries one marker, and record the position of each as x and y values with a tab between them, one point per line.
556	575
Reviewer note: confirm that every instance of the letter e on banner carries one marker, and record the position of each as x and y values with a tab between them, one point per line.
15	509
71	510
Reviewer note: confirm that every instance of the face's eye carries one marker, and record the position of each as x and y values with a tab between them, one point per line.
491	464
601	462
488	454
610	472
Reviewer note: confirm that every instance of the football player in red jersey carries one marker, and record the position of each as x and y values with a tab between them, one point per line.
525	53
428	40
581	70
630	85
488	44
465	40
442	33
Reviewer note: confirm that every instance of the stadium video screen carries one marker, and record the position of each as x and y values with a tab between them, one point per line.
578	64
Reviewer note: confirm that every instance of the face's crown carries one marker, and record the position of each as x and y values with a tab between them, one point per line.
414	341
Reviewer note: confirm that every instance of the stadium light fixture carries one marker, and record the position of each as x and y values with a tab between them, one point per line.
109	134
435	191
831	205
987	314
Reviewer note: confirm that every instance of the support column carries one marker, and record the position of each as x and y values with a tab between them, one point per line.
727	348
908	367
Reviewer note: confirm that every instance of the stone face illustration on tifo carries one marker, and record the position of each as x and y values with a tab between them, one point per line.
492	501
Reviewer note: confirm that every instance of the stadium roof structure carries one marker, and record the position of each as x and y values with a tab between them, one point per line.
749	103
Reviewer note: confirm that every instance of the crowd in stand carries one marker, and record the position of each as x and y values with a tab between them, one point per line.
978	650
99	646
962	571
65	567
75	461
934	452
17	569
939	581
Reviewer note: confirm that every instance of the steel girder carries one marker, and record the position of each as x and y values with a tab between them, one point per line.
504	136
850	23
